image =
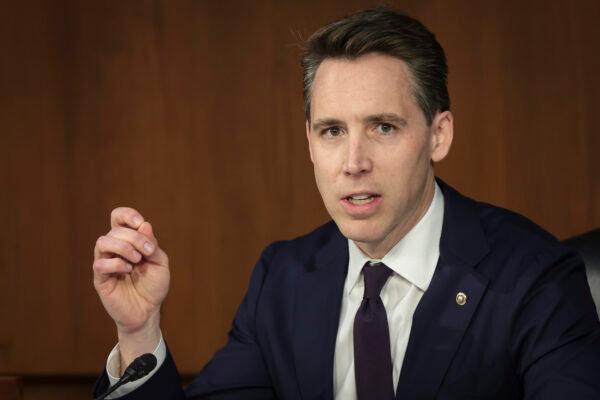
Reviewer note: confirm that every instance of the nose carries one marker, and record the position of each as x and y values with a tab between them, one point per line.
358	161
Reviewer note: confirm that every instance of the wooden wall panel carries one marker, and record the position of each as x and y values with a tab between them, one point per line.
191	111
524	93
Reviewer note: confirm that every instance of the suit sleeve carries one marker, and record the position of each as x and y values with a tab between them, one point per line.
556	332
164	384
237	371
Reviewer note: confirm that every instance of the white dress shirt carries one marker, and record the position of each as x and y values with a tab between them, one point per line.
413	260
113	366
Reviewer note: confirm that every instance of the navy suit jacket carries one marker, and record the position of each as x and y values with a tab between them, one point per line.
529	328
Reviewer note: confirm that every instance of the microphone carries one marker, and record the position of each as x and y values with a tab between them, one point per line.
139	368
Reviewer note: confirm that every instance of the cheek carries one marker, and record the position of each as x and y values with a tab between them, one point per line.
416	155
404	174
321	177
325	178
324	164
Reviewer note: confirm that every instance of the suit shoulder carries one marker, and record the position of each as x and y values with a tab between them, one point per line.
303	247
508	228
471	224
518	245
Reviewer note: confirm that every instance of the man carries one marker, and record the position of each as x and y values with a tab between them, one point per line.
413	291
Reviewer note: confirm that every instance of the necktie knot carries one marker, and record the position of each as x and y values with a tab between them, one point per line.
375	277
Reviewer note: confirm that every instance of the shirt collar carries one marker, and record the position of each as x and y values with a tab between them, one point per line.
414	257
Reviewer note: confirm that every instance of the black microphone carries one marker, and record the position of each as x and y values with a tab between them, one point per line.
139	368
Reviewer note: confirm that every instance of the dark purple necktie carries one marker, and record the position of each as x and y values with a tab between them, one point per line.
372	356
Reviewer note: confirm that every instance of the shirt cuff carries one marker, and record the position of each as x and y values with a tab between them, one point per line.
113	365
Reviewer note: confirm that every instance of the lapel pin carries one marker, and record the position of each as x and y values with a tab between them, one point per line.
461	299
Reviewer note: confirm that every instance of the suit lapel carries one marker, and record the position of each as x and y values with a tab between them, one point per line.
317	310
440	322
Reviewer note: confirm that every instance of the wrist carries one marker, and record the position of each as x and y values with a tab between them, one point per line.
133	344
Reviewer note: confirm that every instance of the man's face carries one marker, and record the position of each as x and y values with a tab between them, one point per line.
372	149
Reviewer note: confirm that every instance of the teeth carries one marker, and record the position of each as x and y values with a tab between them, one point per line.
353	201
360	196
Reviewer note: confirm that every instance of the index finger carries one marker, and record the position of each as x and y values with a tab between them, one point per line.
125	216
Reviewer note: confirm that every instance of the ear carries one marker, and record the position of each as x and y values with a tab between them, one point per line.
442	132
309	141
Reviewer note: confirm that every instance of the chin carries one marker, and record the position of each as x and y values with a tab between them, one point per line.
363	231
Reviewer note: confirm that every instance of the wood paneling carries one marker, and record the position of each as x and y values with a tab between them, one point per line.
191	112
58	388
10	388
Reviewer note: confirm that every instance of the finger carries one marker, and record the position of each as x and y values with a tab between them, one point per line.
159	256
107	266
104	269
108	245
142	243
125	216
146	229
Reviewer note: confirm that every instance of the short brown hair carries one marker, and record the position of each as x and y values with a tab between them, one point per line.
386	31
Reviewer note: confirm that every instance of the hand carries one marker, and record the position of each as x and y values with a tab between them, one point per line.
131	275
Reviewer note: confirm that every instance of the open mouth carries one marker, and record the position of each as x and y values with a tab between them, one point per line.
362	198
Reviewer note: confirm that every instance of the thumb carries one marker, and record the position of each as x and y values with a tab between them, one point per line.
159	256
146	229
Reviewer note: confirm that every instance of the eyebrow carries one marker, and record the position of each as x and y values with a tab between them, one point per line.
323	122
387	117
383	117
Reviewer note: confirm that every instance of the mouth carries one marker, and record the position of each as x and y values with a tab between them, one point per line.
361	198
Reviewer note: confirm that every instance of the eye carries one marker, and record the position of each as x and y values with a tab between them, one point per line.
332	131
385	128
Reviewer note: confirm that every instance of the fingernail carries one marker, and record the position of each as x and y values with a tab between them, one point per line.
149	247
129	268
137	220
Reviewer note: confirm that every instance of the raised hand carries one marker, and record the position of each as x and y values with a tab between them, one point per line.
131	276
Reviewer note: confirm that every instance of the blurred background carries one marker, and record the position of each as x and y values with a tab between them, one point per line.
191	112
